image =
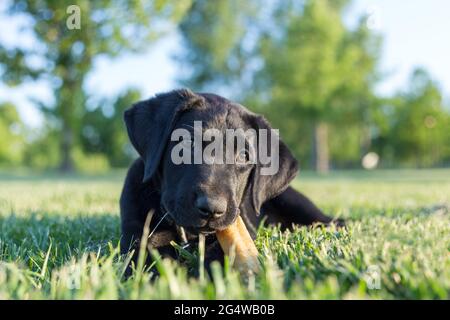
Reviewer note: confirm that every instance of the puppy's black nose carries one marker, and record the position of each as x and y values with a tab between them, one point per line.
211	207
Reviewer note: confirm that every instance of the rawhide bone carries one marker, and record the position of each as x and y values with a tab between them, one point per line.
237	238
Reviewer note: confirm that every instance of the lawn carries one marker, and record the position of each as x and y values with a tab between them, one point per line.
59	240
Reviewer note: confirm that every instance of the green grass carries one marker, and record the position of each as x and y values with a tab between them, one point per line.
59	239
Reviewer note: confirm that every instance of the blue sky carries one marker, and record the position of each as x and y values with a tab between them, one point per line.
415	32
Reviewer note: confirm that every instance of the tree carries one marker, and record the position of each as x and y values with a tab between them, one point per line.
419	123
68	39
216	52
317	72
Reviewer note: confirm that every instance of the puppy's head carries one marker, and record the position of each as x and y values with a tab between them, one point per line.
205	153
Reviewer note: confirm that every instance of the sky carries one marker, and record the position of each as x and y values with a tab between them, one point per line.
415	33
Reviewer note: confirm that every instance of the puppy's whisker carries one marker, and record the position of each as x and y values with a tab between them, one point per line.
196	130
157	225
187	125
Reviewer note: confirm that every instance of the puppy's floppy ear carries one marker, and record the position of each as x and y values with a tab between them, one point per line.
150	122
266	187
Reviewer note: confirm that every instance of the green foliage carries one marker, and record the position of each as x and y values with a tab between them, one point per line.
42	151
317	71
345	145
314	78
107	28
420	122
61	242
94	163
413	131
306	57
213	34
294	61
11	135
305	67
103	130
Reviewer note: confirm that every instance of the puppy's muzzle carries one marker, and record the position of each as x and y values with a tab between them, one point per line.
210	207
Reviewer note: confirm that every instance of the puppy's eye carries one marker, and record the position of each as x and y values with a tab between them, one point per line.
243	157
187	143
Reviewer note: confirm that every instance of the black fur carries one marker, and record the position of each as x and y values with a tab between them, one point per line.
155	184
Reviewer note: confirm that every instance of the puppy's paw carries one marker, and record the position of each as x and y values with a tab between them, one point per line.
339	222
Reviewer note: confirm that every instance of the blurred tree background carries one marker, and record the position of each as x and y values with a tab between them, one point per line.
295	61
65	55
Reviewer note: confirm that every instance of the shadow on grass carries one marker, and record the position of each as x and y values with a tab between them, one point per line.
28	237
71	235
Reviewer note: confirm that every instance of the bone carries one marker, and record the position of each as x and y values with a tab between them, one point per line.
235	240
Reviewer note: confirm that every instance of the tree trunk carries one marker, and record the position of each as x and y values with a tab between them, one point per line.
320	148
69	104
66	148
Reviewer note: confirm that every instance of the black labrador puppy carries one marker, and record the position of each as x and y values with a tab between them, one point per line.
191	198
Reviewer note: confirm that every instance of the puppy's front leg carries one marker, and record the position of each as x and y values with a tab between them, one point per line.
136	201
